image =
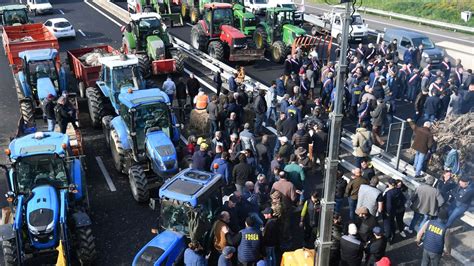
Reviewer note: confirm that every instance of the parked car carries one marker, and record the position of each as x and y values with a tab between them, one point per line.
39	6
60	27
414	39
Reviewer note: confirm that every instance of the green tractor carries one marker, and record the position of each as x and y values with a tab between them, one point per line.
147	37
277	32
12	15
246	22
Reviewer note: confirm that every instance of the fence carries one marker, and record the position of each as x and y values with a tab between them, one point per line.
399	138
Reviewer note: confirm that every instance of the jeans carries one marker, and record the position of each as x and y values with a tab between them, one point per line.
415	221
270	260
352	208
51	123
272	112
337	207
428	117
214	127
259	119
412	92
171	96
455	214
418	164
430	258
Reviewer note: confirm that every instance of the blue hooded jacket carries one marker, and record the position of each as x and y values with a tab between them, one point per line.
221	166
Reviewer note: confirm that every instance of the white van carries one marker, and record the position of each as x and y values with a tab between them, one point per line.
257	7
289	4
39	6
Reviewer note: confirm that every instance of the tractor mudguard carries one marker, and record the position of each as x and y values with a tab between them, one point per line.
76	173
119	125
18	222
6	232
24	87
81	219
128	36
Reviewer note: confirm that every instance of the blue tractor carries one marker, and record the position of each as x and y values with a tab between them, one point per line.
39	76
48	195
187	204
142	139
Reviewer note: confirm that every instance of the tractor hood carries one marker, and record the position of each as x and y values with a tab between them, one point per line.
45	86
231	32
162	246
161	151
156	47
295	29
42	215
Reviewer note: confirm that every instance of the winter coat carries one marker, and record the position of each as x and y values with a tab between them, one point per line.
455	105
260	106
423	138
427	200
300	139
352	189
247	140
223	168
420	102
432	105
213	111
379	114
201	160
242	173
358	139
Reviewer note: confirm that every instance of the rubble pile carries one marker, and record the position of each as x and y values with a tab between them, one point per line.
92	58
454	132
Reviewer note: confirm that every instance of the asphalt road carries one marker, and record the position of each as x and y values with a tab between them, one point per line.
120	225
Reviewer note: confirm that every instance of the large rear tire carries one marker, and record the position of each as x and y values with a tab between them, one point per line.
118	154
9	252
144	65
260	38
179	58
95	103
106	128
27	112
198	38
216	50
138	184
85	250
279	52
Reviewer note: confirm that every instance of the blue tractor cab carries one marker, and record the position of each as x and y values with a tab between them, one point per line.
39	76
188	203
49	197
142	138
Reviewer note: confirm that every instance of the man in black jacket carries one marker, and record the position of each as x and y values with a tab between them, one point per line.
351	248
48	109
260	108
193	86
420	104
242	172
376	247
271	236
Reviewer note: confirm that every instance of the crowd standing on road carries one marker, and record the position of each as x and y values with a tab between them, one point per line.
272	185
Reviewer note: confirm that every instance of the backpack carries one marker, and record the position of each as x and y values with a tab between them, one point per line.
366	146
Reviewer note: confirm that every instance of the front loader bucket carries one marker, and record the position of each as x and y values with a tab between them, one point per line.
246	55
165	66
173	20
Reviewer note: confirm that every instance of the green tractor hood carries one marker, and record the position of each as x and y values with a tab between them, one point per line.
290	32
156	47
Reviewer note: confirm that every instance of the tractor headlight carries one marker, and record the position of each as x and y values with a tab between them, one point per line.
162	165
49	228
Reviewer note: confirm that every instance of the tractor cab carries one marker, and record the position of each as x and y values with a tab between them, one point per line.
13	15
216	15
277	18
188	205
145	25
40	73
244	21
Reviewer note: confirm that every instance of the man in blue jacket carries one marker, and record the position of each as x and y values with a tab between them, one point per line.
249	244
433	233
221	166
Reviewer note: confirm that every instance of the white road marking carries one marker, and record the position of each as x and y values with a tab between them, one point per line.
103	14
81	32
267	59
60	11
189	24
110	183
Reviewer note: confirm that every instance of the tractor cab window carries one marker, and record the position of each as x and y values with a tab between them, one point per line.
124	113
42	69
151	116
123	77
15	17
107	78
175	216
249	22
221	17
147	26
285	18
38	170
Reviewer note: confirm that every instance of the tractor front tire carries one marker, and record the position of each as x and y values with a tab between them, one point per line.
194	15
279	52
260	38
116	148
198	38
144	66
85	250
9	252
27	112
106	128
95	104
138	184
216	50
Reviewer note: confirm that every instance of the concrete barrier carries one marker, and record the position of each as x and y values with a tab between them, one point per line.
455	50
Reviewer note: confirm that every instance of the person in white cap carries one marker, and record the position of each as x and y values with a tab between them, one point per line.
285	149
351	248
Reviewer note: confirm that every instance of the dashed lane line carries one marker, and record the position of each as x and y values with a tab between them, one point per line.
60	11
104	171
81	32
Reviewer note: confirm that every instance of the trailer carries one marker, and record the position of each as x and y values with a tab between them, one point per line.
86	75
330	23
27	37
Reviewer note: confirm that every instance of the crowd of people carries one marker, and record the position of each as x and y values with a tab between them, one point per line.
268	183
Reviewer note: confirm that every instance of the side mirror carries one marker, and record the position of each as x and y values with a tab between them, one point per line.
72	188
10	195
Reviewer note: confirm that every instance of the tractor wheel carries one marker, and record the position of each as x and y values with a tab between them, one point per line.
198	38
215	50
279	52
106	128
9	252
179	58
27	112
117	151
144	66
194	15
95	103
138	184
85	249
184	11
81	87
260	38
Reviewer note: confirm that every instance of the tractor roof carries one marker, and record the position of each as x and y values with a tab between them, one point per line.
12	7
243	14
39	54
280	9
190	186
217	5
139	16
134	98
118	60
38	143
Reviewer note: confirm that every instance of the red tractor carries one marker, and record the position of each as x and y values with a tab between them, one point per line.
215	35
